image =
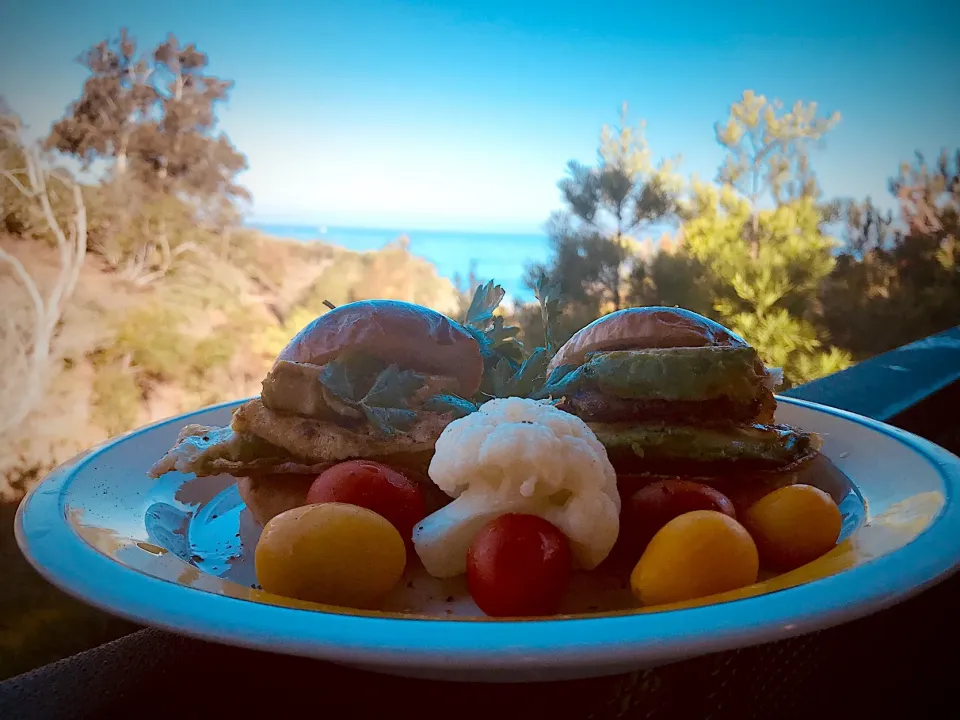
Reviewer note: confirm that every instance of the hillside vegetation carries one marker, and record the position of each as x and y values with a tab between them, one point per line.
129	355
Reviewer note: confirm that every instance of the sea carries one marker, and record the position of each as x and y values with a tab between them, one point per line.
501	257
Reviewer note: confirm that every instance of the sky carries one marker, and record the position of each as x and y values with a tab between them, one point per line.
463	115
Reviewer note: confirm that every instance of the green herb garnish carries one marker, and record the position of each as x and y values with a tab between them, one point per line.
548	295
497	340
562	381
382	394
523	381
447	403
509	371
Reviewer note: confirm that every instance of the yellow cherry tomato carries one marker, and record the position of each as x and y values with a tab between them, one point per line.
793	526
331	553
696	554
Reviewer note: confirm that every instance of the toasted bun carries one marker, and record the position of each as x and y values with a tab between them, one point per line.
643	328
411	336
267	499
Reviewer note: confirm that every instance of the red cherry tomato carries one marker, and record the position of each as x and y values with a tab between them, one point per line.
375	487
518	565
653	506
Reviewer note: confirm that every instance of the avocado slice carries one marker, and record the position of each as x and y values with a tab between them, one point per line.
683	449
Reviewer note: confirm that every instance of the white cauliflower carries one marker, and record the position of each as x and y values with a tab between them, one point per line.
519	456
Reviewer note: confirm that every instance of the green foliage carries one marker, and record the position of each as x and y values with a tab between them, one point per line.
18	216
117	398
498	342
673	278
513	368
607	205
152	116
510	370
763	268
274	338
150	346
549	297
382	393
766	293
899	282
392	273
171	187
756	269
768	150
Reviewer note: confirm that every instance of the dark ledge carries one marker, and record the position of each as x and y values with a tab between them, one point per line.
887	385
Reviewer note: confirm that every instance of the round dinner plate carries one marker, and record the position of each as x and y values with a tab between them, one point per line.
176	553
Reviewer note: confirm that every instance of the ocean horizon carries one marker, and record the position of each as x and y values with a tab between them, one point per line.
501	257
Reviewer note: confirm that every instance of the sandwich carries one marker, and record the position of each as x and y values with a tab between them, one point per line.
670	392
374	379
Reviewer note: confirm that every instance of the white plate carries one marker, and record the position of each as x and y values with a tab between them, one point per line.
176	553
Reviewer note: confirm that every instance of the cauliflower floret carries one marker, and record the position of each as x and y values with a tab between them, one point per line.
519	456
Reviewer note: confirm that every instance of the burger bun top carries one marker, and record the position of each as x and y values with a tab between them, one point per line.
411	336
644	328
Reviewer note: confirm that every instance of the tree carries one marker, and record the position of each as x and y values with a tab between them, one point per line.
594	240
767	153
668	275
898	280
116	99
178	149
764	265
171	186
27	342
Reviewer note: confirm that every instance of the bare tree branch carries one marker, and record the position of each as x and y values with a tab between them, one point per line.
24	378
12	178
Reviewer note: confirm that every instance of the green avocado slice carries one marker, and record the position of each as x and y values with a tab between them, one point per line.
683	448
678	374
671	374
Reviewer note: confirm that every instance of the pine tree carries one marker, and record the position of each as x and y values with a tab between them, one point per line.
898	279
596	248
149	120
759	237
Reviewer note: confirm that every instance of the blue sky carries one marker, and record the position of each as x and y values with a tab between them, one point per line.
463	115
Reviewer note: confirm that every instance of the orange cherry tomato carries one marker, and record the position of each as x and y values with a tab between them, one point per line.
696	554
793	526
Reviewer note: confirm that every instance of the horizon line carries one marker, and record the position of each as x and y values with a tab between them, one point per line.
399	230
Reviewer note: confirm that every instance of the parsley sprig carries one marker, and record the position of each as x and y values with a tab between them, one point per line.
497	340
385	393
548	295
382	394
509	370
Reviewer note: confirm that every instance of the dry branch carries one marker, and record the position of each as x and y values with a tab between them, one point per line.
29	345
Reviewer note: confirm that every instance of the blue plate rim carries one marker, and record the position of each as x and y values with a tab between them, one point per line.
80	570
